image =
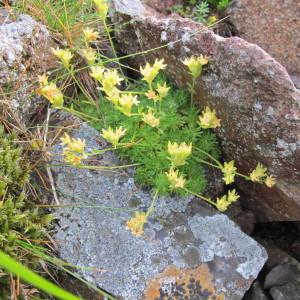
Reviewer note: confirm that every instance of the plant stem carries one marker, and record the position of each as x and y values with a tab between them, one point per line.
201	197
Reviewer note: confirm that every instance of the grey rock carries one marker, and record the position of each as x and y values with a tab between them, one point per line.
25	53
187	247
252	93
290	291
281	274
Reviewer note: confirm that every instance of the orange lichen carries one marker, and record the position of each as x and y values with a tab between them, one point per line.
174	283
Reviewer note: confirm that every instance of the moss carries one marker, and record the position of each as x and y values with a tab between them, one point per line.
19	219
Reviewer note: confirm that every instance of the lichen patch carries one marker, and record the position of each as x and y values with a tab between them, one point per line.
174	283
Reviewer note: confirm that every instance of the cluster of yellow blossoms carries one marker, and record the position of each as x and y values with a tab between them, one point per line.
113	136
136	224
74	150
259	174
51	92
195	64
224	202
179	153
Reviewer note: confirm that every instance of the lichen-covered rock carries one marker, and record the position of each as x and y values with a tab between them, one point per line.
273	25
251	92
25	52
188	250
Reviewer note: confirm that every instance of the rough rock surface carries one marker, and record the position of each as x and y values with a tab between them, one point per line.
188	249
25	52
273	25
252	93
163	6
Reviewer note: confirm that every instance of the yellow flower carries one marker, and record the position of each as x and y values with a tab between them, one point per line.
90	55
179	153
224	202
195	64
162	90
232	196
113	95
150	119
113	136
97	72
43	79
270	181
136	224
126	102
90	35
152	95
110	79
258	174
64	55
175	179
150	72
102	8
229	171
209	119
211	20
74	150
51	92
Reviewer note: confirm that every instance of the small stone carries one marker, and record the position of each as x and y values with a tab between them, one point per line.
290	291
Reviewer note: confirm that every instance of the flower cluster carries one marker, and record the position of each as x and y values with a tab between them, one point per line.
113	136
229	172
175	179
208	119
90	35
150	119
64	55
195	64
150	72
259	174
51	92
136	224
102	8
89	55
74	150
224	202
179	153
126	102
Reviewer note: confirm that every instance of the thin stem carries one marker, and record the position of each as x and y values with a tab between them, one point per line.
107	31
83	89
153	203
201	197
192	90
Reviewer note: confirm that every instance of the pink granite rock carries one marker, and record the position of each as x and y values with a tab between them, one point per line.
274	25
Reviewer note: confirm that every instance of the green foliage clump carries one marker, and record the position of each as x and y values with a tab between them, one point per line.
18	219
201	10
178	123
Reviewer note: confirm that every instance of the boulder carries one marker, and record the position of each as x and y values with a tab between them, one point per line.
188	250
25	53
251	92
273	25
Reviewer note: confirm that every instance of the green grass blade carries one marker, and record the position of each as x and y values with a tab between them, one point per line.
27	275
